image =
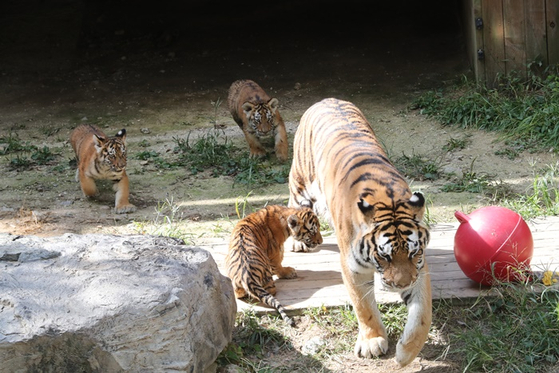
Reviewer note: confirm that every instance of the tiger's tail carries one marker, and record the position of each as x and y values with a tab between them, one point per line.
269	300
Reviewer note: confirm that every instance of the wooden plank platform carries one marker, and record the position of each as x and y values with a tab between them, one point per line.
319	282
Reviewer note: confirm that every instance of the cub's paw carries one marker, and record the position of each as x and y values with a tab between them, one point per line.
125	208
371	347
287	273
257	153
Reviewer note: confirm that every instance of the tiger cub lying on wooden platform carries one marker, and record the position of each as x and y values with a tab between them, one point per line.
102	157
258	116
256	251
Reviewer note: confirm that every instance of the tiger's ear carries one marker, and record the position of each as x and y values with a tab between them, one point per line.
366	203
273	104
417	205
293	222
98	142
121	133
247	108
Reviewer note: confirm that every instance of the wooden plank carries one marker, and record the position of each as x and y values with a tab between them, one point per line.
514	19
536	44
493	37
471	10
552	28
320	280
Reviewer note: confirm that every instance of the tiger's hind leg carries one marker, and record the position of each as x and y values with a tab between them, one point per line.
418	300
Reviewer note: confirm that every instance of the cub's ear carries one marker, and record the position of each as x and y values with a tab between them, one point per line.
247	108
273	104
293	222
121	133
98	142
417	205
366	203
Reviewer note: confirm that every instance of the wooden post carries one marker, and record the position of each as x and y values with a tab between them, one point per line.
552	29
536	45
514	25
493	36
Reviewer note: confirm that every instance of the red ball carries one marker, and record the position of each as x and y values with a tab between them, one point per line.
493	243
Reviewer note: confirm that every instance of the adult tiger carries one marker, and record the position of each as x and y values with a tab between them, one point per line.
102	157
258	116
341	171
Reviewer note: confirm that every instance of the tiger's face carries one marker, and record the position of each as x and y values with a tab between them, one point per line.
396	251
112	152
261	118
305	227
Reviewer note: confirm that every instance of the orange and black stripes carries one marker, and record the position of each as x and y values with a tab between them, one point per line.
256	250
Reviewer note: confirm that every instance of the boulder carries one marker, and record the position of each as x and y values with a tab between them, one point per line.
102	303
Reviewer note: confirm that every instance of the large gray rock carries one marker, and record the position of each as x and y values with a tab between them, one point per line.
99	303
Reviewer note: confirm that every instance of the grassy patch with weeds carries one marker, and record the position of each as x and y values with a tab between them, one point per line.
515	331
524	110
543	197
418	167
25	156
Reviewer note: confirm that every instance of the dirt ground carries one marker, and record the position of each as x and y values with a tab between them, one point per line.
161	75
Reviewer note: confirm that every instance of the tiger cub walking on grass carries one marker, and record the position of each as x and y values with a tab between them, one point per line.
258	116
102	157
256	251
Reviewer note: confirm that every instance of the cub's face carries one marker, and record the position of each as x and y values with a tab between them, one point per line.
305	227
397	253
261	117
112	152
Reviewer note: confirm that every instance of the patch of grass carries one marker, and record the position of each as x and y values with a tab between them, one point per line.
524	110
516	331
457	144
20	163
482	183
418	167
13	144
214	152
543	197
167	222
43	155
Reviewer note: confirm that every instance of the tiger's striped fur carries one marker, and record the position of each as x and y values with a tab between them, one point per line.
256	250
258	116
102	157
341	171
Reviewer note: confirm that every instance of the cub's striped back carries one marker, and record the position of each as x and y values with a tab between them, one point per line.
256	251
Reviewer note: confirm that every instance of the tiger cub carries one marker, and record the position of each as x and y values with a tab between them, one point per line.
258	116
102	157
256	251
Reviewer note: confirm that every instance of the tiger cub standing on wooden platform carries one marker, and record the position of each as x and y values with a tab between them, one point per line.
258	116
102	157
256	250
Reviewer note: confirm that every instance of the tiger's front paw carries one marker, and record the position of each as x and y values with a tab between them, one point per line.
123	209
371	347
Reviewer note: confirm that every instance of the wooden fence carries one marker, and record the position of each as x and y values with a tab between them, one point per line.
511	35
